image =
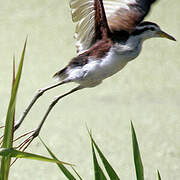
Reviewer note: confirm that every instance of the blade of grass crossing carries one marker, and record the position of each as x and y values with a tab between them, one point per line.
11	152
110	171
8	130
98	173
159	176
65	171
137	156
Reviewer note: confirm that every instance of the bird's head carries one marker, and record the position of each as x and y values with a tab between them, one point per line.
148	30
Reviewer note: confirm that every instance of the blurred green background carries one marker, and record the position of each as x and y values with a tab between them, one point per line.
147	91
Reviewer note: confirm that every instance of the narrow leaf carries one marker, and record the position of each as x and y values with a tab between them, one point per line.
98	173
65	171
110	171
9	124
76	173
137	156
11	152
13	82
14	72
159	176
7	140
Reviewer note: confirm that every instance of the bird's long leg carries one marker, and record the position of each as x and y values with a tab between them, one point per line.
39	93
37	131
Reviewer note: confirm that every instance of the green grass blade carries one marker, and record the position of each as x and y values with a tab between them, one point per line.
9	124
65	171
5	166
98	173
159	176
76	173
13	83
137	156
11	152
110	171
7	140
14	74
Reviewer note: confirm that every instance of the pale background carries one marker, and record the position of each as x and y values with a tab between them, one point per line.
147	92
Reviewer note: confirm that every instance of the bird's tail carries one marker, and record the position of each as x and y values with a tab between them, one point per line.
60	75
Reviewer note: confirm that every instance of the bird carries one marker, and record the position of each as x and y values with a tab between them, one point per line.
109	34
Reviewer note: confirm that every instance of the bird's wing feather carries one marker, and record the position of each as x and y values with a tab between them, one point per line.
121	15
83	14
126	14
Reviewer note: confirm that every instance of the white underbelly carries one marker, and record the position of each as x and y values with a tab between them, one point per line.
95	71
98	70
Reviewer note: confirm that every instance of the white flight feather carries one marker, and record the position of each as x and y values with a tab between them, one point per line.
83	14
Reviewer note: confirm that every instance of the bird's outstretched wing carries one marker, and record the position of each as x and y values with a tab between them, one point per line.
121	15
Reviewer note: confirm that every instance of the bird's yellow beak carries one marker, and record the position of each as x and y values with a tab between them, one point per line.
165	35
